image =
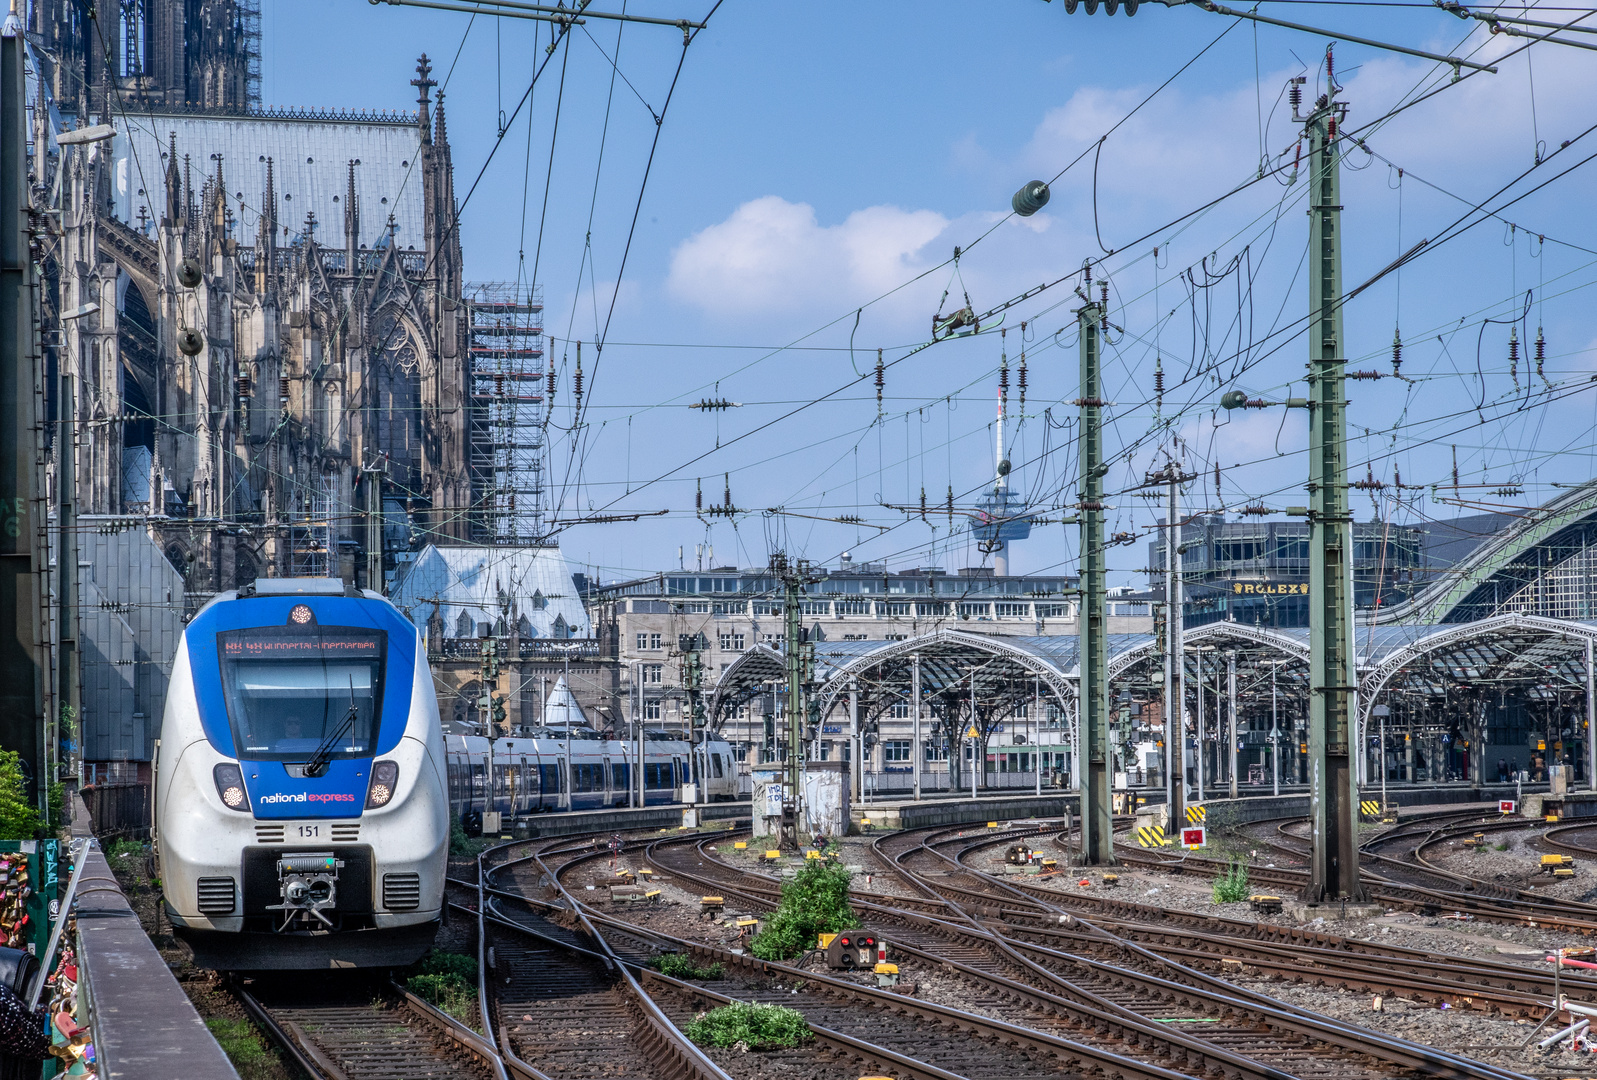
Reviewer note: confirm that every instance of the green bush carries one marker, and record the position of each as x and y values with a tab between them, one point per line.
19	819
755	1027
1232	884
814	902
679	966
438	962
449	981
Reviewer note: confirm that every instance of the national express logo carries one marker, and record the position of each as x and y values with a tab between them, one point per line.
301	796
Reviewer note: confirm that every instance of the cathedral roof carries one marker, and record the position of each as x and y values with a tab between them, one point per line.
470	585
311	156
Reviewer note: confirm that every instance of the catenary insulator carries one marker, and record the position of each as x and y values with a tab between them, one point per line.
1541	353
1513	354
881	379
190	341
1031	197
282	387
1297	96
1397	351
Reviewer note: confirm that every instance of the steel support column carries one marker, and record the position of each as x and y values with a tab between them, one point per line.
1591	716
1333	786
1097	837
1231	713
914	712
21	516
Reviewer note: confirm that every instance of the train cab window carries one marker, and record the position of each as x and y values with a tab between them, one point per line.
478	780
292	691
715	766
618	777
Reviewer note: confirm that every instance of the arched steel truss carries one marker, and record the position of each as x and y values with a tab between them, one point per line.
1523	637
1520	643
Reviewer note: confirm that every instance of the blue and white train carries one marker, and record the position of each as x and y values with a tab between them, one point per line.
301	808
552	771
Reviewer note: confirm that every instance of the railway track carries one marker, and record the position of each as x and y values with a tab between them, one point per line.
1411	883
358	1028
1211	943
1565	840
1030	1035
1135	992
561	1008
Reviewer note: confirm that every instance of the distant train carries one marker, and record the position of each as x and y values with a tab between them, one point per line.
520	776
301	814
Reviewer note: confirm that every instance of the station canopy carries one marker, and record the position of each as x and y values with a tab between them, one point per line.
1541	656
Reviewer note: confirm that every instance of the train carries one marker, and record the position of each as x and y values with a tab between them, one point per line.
302	814
556	769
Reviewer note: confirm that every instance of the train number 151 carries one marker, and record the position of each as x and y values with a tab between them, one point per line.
310	830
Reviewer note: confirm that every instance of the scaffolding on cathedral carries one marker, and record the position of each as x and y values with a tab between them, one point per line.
507	412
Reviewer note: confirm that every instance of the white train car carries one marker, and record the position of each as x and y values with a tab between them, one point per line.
551	772
301	810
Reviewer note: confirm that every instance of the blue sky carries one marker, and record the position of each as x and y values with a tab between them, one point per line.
819	163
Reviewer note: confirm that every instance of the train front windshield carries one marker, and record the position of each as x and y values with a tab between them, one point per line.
295	692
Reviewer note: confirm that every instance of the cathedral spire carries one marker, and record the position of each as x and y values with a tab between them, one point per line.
441	138
423	82
266	238
351	217
174	186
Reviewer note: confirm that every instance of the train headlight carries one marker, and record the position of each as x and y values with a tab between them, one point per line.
230	786
385	778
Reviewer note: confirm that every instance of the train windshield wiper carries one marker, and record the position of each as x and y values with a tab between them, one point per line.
317	765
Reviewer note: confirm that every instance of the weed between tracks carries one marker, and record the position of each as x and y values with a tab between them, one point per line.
750	1027
242	1043
679	966
1232	884
814	902
448	981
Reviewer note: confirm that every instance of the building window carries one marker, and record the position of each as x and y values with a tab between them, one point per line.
898	710
887	607
651	709
1053	611
895	637
974	611
1014	611
731	642
648	641
818	607
775	641
856	637
852	607
934	751
652	673
895	750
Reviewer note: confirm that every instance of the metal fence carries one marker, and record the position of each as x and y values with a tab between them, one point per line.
118	810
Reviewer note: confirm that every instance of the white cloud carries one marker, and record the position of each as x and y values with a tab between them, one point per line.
772	255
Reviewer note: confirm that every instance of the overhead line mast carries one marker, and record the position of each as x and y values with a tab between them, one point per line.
1097	835
1333	783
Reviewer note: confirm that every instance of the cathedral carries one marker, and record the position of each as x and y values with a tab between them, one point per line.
265	318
